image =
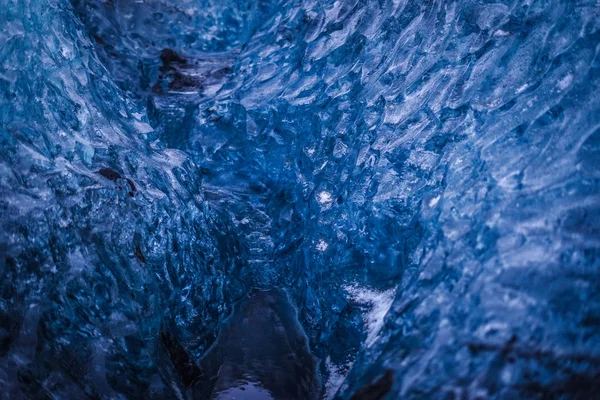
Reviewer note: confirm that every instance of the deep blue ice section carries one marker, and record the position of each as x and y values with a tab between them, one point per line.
422	178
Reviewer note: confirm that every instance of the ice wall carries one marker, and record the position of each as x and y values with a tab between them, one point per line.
421	176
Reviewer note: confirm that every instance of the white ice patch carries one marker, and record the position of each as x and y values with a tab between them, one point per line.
565	82
336	378
500	32
522	88
142	127
322	245
378	304
324	197
433	202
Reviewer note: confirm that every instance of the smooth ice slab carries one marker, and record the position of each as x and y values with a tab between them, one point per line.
261	353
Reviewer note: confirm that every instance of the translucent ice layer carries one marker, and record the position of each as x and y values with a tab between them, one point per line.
421	177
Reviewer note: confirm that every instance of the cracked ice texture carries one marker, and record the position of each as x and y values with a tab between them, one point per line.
444	153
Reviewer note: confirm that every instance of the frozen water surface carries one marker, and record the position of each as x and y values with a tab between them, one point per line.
261	353
420	179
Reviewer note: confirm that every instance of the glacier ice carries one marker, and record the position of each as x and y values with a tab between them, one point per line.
260	348
420	177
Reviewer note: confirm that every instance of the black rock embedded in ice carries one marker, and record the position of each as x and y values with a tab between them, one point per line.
183	363
377	389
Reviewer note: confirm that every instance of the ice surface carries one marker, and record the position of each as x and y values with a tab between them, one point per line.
261	353
422	177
